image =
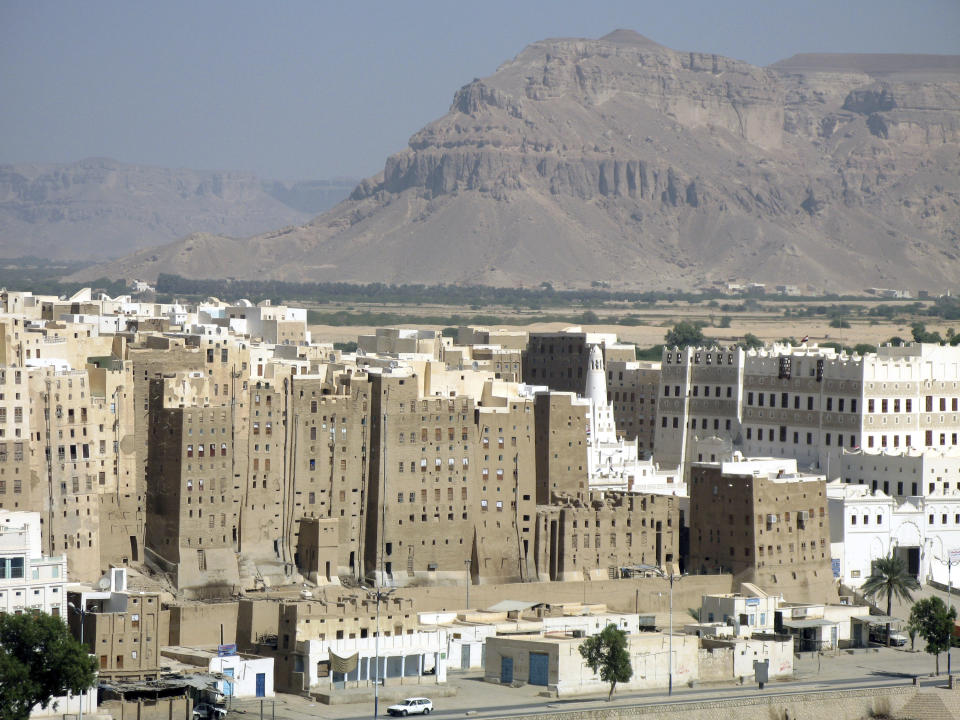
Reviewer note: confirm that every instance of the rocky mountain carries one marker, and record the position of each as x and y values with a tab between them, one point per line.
99	208
621	160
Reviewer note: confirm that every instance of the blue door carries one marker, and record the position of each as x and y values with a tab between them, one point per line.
261	684
228	684
506	670
539	668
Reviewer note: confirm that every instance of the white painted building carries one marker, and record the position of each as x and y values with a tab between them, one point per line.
402	658
243	675
746	615
808	402
251	676
614	463
866	525
63	706
903	472
28	580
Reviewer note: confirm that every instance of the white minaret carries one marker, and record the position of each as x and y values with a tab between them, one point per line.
603	429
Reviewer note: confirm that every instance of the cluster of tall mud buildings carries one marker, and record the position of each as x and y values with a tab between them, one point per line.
218	445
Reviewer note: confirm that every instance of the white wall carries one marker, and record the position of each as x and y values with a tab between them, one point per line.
431	644
43	581
884	523
245	671
780	655
68	705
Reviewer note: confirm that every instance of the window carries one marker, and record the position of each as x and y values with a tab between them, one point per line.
11	568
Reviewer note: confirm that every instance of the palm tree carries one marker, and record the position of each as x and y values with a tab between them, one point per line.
890	577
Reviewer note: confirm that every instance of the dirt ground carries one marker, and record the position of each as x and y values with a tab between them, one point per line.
645	595
769	328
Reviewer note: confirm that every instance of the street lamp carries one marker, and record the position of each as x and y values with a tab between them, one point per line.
82	613
666	576
378	594
953	558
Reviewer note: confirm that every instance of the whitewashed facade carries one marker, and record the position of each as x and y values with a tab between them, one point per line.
866	525
614	463
28	580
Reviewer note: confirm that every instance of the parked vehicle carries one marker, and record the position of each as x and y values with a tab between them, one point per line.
206	711
411	706
879	635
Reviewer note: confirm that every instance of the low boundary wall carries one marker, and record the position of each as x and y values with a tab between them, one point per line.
835	704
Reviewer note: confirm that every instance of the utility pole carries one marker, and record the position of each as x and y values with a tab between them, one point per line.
81	611
953	558
376	667
670	577
670	675
379	575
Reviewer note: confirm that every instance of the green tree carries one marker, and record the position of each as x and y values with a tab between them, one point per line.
934	623
39	659
839	322
890	577
650	353
684	334
607	654
864	348
912	631
751	341
921	335
724	321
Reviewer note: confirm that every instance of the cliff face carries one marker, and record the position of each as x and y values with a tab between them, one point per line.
620	160
99	208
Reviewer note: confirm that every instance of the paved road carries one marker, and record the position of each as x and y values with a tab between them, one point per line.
681	697
885	668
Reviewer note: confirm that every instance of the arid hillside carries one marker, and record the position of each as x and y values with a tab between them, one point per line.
621	160
99	208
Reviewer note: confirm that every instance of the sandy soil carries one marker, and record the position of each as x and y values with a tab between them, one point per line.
768	328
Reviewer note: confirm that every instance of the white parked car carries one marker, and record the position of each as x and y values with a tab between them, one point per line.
411	706
205	711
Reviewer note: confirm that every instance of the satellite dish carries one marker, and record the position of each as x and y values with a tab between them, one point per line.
104	583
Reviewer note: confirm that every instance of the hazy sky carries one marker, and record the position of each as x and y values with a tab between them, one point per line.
291	89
